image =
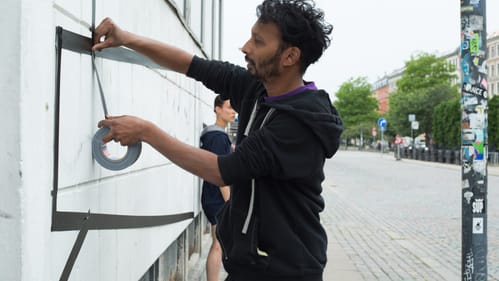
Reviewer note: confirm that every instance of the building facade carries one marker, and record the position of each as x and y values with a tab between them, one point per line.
493	63
454	58
384	86
62	215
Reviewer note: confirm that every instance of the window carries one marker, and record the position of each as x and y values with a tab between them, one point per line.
204	18
196	17
492	90
216	30
207	37
492	71
492	52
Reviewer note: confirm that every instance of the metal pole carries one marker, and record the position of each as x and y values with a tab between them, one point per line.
413	144
382	148
361	139
474	143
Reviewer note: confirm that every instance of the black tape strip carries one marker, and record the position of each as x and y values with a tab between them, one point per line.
76	247
57	105
72	221
83	45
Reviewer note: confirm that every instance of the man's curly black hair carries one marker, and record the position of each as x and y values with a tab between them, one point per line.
301	25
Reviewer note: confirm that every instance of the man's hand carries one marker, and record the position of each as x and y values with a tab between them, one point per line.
113	35
163	54
125	129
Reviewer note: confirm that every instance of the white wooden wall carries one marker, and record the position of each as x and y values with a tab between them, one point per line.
152	186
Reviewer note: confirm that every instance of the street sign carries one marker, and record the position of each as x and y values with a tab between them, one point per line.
382	123
415	125
398	140
412	117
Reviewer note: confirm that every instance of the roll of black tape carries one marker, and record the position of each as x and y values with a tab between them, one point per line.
105	159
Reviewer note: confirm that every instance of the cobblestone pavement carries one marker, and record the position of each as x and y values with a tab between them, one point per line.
401	220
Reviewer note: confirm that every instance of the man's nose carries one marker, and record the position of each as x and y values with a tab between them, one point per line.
245	48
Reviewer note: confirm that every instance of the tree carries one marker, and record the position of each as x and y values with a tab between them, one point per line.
493	122
447	124
357	106
424	71
425	83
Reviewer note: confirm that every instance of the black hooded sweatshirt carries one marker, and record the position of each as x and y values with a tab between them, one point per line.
270	229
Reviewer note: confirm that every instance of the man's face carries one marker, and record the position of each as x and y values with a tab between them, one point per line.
226	112
263	51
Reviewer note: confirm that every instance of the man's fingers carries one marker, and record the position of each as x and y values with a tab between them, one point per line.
106	122
108	137
105	28
103	123
99	46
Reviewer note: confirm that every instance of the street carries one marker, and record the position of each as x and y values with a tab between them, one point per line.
401	220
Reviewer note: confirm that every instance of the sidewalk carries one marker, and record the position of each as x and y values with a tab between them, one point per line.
339	267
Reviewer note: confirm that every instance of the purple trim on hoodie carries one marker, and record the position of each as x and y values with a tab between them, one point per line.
307	86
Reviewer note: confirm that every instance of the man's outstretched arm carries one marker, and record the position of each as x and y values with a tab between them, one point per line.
163	54
129	129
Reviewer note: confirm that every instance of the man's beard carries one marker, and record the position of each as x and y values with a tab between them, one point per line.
267	69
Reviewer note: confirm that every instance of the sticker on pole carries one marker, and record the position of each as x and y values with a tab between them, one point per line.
477	225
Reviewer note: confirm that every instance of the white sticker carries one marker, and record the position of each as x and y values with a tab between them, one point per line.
478	206
477	225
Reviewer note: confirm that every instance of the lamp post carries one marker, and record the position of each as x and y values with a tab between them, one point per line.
474	143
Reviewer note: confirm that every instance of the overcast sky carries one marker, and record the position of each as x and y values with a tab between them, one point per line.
370	38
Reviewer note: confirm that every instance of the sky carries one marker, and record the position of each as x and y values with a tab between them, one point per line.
369	39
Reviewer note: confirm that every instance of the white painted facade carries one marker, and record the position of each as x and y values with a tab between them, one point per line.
29	250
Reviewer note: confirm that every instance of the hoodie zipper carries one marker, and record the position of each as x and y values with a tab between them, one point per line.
224	252
252	197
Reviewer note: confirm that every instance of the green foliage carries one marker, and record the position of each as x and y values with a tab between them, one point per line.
447	124
425	71
493	122
423	86
357	107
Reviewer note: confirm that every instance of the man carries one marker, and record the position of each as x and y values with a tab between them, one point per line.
215	139
270	229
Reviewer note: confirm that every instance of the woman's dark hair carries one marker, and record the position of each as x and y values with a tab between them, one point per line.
219	102
301	25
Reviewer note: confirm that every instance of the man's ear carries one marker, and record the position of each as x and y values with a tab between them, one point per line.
217	109
291	56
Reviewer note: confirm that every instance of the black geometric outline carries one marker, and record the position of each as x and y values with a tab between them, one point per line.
67	221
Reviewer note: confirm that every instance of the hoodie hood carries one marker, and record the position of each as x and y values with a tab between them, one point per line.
316	111
212	128
210	132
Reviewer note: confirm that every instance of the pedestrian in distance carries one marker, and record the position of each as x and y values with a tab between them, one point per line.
215	139
270	229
